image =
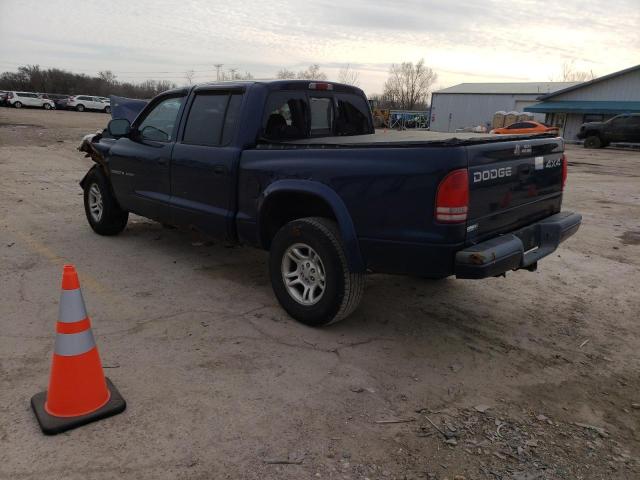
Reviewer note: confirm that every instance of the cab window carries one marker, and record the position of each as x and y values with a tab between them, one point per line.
161	121
285	116
321	116
293	115
212	119
352	115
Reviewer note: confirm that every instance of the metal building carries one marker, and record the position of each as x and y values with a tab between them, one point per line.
472	104
592	101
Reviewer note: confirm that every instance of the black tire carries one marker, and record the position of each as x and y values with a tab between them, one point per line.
107	109
80	108
46	106
343	289
592	141
113	219
17	104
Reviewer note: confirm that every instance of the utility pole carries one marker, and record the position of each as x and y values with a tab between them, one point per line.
233	71
218	69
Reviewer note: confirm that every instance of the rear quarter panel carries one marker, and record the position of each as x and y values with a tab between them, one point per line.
388	192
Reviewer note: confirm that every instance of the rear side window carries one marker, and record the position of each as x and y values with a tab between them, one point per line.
212	119
206	117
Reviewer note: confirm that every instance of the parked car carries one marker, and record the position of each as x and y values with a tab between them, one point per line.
85	102
59	100
294	167
29	99
622	128
526	127
3	97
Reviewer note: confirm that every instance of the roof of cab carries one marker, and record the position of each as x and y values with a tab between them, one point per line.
276	84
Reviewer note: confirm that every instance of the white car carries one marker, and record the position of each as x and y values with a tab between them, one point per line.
28	99
86	102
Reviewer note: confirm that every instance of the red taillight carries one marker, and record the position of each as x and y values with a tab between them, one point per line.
452	199
320	86
564	170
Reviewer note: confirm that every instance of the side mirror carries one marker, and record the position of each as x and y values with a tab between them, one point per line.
119	127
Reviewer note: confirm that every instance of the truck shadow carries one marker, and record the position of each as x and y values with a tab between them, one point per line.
393	307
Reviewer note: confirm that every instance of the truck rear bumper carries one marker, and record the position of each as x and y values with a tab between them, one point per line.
520	249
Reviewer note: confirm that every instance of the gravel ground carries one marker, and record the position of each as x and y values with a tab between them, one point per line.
532	376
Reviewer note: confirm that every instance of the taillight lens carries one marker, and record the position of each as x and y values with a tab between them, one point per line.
452	199
564	170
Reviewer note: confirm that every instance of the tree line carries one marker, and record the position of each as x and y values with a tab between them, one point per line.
407	87
32	78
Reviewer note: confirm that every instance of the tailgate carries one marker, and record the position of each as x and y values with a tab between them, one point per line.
512	184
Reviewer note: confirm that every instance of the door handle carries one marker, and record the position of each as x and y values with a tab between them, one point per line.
219	169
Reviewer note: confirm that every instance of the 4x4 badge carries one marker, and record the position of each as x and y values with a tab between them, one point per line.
522	149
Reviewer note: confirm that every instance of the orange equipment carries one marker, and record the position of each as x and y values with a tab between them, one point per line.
78	391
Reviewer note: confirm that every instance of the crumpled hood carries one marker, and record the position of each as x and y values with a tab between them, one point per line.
129	108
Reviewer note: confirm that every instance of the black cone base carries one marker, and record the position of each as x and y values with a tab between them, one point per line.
51	425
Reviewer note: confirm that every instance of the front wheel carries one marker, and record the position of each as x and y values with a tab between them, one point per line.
309	272
47	106
80	108
107	109
103	212
18	105
592	141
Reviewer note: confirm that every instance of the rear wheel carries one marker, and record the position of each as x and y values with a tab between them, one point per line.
103	212
107	109
18	105
80	108
309	272
47	106
592	141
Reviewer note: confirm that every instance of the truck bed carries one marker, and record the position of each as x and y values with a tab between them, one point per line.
406	138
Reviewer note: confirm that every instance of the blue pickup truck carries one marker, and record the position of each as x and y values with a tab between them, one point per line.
296	168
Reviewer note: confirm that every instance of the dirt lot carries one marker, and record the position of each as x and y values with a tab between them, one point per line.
532	376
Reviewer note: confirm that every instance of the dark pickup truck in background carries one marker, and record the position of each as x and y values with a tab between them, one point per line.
621	128
296	168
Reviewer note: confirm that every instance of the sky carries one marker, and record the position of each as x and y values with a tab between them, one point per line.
462	40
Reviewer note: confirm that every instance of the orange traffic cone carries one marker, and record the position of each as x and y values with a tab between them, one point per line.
78	391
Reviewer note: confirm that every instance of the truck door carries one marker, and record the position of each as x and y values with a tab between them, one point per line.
203	163
615	128
631	129
140	163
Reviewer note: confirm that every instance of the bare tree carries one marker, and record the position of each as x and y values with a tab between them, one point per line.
107	76
312	73
232	74
188	75
285	74
349	76
409	85
570	74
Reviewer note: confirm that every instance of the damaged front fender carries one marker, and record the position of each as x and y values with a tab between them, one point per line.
87	145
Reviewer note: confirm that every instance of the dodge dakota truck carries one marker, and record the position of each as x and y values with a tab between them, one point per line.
296	168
